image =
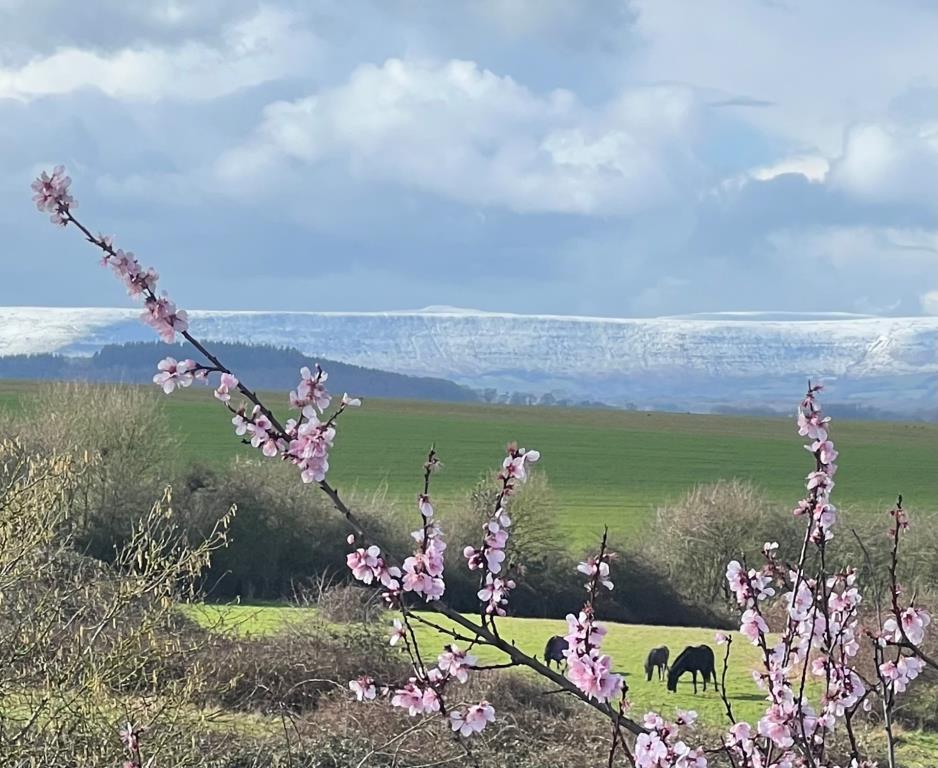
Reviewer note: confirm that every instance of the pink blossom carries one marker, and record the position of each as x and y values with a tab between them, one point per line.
52	194
721	638
800	603
456	663
495	594
423	571
740	732
517	460
416	700
363	688
748	586
598	568
174	374
813	426
398	633
310	445
902	672
594	677
311	390
473	719
161	315
650	750
753	625
913	620
240	423
350	402
225	385
774	725
364	563
688	717
424	505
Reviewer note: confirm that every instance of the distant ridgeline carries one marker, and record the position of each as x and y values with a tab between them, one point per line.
261	366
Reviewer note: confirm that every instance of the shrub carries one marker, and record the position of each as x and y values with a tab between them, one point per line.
696	536
124	429
85	644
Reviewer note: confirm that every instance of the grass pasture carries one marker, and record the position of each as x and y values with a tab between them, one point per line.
626	644
605	467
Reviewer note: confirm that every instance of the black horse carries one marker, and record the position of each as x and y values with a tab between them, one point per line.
693	659
554	650
657	659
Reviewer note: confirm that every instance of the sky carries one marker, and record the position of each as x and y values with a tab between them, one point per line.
606	158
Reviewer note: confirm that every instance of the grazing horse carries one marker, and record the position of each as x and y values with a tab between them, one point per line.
657	659
554	650
693	659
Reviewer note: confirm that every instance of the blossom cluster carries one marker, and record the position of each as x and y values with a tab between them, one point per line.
662	747
910	625
490	557
423	693
369	567
822	615
813	424
588	668
173	373
52	195
423	570
304	442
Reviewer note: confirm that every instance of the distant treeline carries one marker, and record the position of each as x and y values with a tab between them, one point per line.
262	366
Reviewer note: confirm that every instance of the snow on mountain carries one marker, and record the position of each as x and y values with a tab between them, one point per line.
693	362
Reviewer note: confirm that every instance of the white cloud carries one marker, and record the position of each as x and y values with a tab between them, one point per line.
888	163
813	168
929	302
818	67
254	50
472	136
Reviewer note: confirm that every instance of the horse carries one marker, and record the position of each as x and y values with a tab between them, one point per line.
554	650
657	658
693	659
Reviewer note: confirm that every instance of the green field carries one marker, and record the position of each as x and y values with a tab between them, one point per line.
605	467
626	644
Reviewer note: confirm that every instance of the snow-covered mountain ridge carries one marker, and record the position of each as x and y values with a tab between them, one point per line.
694	362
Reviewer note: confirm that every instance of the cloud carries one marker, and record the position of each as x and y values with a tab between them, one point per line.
890	164
470	135
608	157
929	302
251	51
822	65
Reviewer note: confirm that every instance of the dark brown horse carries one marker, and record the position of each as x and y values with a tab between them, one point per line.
554	650
657	659
693	659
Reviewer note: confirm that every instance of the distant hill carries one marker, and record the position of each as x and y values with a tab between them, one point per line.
699	363
261	366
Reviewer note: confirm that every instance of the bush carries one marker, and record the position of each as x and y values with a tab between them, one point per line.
282	532
695	537
295	668
83	644
125	431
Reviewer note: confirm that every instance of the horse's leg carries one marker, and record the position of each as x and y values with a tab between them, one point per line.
694	673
